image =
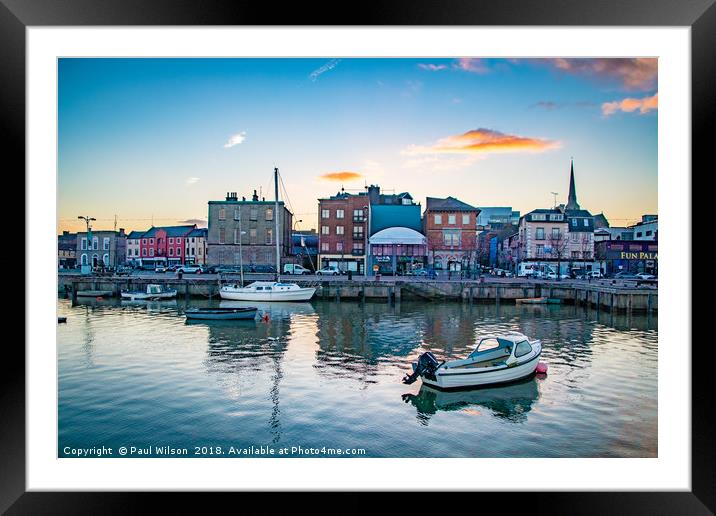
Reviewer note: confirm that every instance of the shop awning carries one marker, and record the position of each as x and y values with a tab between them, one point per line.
398	235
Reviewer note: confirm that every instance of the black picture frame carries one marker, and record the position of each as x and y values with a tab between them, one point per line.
700	15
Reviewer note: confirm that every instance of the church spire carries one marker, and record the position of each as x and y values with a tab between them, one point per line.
572	199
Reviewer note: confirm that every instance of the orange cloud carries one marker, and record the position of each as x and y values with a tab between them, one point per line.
340	176
628	105
484	141
632	73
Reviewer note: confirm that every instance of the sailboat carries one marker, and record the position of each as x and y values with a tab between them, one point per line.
269	290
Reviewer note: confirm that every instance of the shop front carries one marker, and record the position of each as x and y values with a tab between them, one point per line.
397	250
627	256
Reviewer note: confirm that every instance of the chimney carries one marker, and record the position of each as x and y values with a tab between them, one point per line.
121	231
231	196
243	197
373	194
255	197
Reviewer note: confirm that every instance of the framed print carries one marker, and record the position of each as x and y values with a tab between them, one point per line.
417	253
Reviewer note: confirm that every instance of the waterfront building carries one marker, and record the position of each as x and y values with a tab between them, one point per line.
647	229
613	233
242	231
543	239
195	246
134	248
102	248
396	243
343	230
490	215
450	227
67	250
633	256
164	245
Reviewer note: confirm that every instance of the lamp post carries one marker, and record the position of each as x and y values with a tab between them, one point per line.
87	220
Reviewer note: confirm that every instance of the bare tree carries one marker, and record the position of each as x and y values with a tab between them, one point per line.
559	245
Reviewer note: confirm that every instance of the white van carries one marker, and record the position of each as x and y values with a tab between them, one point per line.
294	268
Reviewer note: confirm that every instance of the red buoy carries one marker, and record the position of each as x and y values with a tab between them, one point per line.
541	368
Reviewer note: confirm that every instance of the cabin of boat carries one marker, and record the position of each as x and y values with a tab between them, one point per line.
154	291
496	359
267	291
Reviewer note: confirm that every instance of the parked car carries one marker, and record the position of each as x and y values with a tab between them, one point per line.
645	276
294	268
191	269
264	269
553	275
417	272
160	268
625	275
124	270
331	270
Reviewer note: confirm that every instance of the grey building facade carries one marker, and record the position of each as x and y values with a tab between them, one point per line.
251	221
108	248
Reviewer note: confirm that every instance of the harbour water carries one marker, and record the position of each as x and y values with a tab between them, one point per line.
324	377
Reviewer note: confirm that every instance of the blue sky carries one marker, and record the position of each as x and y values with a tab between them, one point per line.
145	139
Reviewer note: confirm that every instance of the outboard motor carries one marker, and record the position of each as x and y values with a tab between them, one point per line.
426	366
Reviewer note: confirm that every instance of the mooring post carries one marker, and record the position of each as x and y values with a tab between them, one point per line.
648	303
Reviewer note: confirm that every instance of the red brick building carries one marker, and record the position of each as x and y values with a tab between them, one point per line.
342	231
164	245
450	226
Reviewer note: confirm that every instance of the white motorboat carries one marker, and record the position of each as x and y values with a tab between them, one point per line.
267	291
496	359
153	292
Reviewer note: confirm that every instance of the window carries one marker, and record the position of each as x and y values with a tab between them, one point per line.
84	246
151	241
236	236
358	232
358	216
191	251
555	233
325	230
105	259
144	241
269	213
539	234
587	255
540	250
575	254
574	222
522	349
171	251
340	230
638	234
466	218
648	233
222	235
151	251
253	215
451	219
358	247
253	238
269	236
451	238
539	216
178	240
339	247
178	251
485	345
586	222
222	213
325	214
556	216
340	214
438	219
105	243
324	246
237	214
95	243
144	251
171	240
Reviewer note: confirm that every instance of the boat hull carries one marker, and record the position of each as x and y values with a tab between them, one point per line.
302	294
94	293
477	378
139	296
221	315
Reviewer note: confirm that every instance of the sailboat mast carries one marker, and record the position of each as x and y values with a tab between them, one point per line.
275	218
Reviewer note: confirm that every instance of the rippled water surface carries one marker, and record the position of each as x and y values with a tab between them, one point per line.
328	374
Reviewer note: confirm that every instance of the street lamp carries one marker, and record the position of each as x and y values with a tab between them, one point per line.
365	243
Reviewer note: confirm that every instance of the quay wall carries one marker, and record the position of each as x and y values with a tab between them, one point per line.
601	296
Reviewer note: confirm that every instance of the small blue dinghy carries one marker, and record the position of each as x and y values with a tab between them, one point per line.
222	314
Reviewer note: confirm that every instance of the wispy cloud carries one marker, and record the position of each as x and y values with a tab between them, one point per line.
432	67
630	73
235	139
191	180
199	222
330	65
628	105
471	64
546	104
483	141
341	176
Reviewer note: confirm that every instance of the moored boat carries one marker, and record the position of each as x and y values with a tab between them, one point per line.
496	359
531	300
222	314
94	293
267	291
153	292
